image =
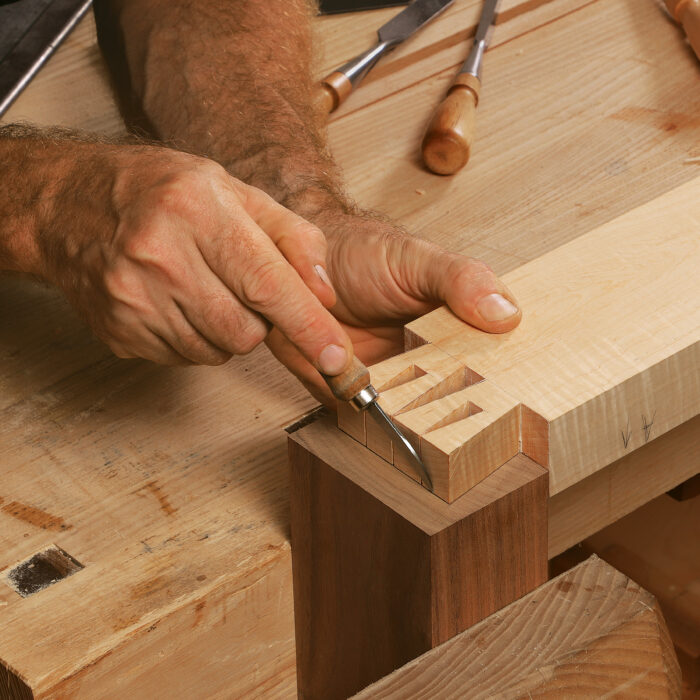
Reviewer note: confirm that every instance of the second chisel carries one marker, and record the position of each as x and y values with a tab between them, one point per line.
448	139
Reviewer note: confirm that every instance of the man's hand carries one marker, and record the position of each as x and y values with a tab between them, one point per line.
170	258
207	75
384	277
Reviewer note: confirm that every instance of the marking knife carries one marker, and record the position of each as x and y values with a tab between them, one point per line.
448	139
354	386
335	88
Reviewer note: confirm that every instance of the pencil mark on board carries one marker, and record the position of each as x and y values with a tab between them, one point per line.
647	426
626	434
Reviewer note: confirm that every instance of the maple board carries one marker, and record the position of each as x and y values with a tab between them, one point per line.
606	359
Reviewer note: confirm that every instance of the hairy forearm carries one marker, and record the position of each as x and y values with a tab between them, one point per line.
230	80
36	169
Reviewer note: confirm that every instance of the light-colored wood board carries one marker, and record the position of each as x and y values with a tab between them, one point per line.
562	144
177	529
591	632
620	488
606	353
442	46
462	427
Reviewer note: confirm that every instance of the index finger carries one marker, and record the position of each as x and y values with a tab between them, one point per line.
252	266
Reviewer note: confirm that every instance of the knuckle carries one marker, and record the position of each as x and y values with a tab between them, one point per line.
249	338
120	350
218	357
120	284
185	189
145	245
193	346
476	270
309	236
263	285
479	267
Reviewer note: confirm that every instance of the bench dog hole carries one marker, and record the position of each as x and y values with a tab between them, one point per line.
42	570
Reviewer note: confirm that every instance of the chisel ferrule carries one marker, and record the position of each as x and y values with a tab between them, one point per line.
358	68
473	63
364	398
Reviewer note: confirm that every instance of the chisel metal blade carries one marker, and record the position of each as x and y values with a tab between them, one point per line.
410	20
401	441
481	39
336	86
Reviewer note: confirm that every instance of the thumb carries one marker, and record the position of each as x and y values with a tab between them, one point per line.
468	286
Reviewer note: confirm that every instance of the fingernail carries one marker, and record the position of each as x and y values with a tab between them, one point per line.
495	307
332	359
320	271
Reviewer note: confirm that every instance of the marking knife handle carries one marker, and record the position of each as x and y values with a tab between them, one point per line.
347	385
448	139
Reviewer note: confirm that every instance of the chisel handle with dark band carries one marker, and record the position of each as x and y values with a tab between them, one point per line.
332	92
351	382
335	88
448	139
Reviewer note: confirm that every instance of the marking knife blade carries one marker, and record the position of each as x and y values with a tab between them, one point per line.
448	139
354	385
336	87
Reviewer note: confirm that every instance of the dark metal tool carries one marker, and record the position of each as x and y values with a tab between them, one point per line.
354	385
448	139
335	88
30	31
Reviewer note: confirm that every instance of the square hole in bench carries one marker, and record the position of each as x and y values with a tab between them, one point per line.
42	570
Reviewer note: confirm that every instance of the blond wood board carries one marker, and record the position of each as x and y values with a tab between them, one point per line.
441	44
182	533
591	632
463	427
620	488
608	353
102	444
562	144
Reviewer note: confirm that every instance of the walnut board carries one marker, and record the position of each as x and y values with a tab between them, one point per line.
658	546
170	486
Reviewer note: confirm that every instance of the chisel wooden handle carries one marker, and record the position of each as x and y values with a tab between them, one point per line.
687	13
350	383
332	92
448	139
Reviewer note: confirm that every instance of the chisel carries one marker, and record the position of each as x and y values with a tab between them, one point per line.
354	386
335	88
448	139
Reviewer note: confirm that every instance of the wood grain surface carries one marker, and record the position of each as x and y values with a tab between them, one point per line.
384	570
659	547
154	477
591	632
606	356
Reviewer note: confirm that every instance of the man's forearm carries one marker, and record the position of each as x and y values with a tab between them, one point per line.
35	168
229	80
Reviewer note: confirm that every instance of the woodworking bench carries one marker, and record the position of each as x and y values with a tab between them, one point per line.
159	498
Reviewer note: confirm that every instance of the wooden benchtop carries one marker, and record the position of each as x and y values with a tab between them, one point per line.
170	485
